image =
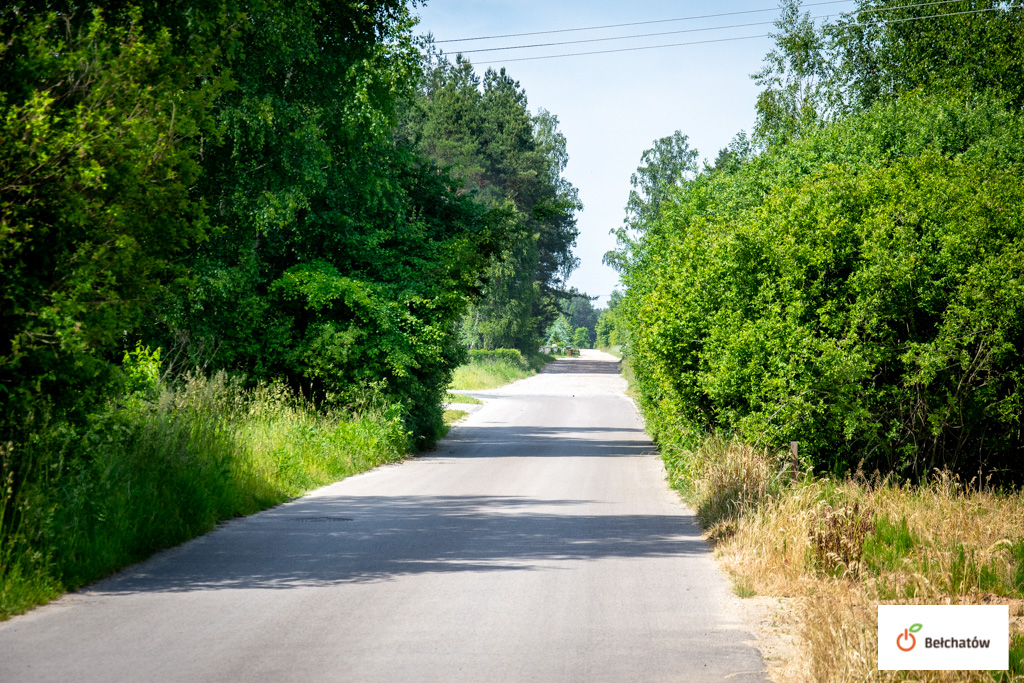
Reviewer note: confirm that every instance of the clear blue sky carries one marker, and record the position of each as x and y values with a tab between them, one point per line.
611	107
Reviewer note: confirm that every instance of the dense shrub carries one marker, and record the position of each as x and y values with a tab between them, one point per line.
859	291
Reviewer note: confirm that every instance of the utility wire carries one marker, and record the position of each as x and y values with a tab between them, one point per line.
635	23
688	30
725	40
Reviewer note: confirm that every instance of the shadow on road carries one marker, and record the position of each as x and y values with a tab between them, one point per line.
564	366
344	539
492	440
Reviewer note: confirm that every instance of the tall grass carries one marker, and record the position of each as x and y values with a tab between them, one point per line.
840	547
162	465
493	369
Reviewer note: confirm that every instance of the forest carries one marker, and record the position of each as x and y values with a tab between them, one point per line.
243	247
848	275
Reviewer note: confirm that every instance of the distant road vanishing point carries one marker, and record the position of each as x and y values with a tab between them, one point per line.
540	542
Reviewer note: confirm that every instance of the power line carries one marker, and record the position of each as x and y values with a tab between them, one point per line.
638	35
723	40
634	23
689	30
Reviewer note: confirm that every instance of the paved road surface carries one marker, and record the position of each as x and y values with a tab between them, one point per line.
539	543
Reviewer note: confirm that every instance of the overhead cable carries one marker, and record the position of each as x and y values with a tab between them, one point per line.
687	18
635	23
726	40
684	30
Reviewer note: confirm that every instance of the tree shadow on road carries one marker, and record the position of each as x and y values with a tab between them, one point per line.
342	539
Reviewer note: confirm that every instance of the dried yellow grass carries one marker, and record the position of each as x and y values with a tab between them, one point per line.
765	536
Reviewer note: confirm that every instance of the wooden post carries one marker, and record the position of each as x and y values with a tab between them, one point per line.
793	460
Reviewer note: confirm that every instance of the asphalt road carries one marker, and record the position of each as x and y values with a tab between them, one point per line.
539	543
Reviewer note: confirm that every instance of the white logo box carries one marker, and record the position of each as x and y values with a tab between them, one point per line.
956	635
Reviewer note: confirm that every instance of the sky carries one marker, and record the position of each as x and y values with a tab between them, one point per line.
611	107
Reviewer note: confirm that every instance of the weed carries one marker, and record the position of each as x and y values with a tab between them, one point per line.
837	538
742	587
889	545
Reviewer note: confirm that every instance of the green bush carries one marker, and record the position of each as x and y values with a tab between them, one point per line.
860	291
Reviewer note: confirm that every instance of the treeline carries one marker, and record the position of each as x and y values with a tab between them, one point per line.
850	276
298	196
512	162
287	191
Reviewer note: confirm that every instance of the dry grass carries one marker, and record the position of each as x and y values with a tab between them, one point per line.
840	548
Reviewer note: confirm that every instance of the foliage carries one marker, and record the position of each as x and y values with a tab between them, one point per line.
102	118
346	258
881	50
580	312
161	465
856	291
850	278
611	325
581	338
512	162
560	333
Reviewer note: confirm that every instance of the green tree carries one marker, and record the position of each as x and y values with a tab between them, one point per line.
669	164
580	312
344	258
559	333
581	338
511	161
794	78
104	116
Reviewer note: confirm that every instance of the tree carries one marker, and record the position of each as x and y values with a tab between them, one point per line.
794	79
580	312
344	257
581	338
880	50
560	333
669	164
511	162
610	325
104	115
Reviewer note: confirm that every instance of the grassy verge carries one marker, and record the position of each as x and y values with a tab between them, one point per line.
159	467
461	398
490	370
839	548
453	416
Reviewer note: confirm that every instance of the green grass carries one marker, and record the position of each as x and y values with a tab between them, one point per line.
889	545
461	398
488	375
152	471
453	416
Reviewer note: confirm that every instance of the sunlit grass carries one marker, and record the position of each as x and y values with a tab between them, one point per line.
149	473
487	375
461	398
453	416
